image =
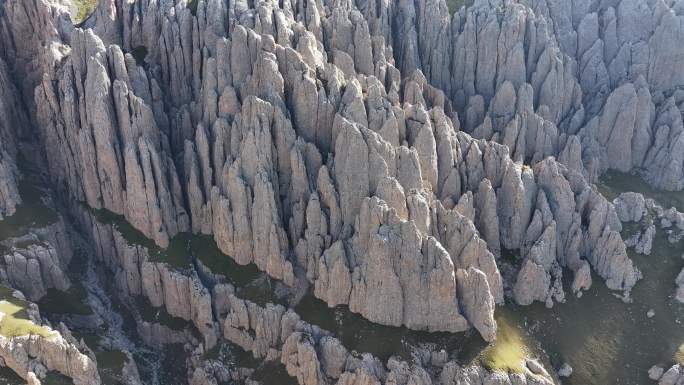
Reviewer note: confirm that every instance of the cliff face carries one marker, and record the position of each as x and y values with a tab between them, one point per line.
318	138
389	154
39	348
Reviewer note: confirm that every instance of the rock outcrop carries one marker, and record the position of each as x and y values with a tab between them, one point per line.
37	261
314	356
668	377
141	270
317	138
31	356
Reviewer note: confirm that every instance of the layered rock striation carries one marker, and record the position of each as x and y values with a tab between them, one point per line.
355	145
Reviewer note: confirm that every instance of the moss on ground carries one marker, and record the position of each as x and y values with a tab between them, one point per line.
260	291
15	321
508	353
31	213
176	255
612	183
83	9
204	248
132	235
273	373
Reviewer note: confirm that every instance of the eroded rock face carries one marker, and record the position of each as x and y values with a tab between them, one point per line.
13	124
178	290
287	132
386	153
630	207
315	356
32	355
671	376
38	261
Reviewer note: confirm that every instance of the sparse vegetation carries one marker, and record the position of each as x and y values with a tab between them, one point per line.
192	6
139	54
679	355
15	321
31	213
110	364
206	250
55	378
83	9
612	183
159	315
454	5
508	353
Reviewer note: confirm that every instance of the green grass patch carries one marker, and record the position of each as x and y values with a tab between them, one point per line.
31	213
132	235
182	248
204	248
15	321
612	183
508	353
359	334
83	9
176	255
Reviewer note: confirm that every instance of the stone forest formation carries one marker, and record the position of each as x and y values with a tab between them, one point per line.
342	192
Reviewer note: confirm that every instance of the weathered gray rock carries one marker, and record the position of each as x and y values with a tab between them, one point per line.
478	304
565	370
672	376
642	241
324	144
630	206
655	372
30	356
680	287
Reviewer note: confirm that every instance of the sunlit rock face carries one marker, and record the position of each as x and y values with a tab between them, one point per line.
416	162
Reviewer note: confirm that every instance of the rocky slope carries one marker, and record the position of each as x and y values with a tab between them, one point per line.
32	355
413	165
178	145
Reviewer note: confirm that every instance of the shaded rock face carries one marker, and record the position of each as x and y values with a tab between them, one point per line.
32	356
38	261
179	291
13	124
357	143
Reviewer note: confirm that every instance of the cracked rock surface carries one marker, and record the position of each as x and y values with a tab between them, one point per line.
414	164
